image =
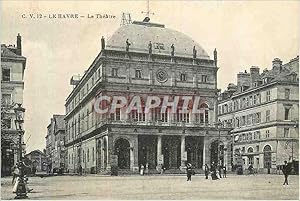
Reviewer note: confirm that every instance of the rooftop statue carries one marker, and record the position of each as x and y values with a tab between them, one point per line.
194	52
150	47
172	50
102	43
127	45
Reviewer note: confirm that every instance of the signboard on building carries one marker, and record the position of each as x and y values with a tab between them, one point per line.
114	160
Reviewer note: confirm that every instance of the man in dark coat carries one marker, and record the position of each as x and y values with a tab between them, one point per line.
206	171
286	172
220	171
224	171
189	172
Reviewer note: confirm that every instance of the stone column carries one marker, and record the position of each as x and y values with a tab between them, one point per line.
226	156
182	152
109	148
101	152
134	166
203	160
206	152
159	152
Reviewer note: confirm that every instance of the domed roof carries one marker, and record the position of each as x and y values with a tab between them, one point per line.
140	33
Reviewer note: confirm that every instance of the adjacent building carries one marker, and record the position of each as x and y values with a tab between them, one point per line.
263	108
13	65
145	59
55	149
38	160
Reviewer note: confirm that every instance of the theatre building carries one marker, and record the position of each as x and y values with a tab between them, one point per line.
145	59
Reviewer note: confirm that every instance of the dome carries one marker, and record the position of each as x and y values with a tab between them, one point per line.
140	33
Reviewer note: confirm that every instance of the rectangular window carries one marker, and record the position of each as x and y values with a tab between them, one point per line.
258	117
204	78
267	133
243	120
114	72
267	115
5	74
250	136
254	100
286	113
247	101
138	74
230	107
287	94
99	72
268	98
286	132
257	148
250	100
183	77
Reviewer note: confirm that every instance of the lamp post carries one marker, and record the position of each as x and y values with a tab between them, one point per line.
21	191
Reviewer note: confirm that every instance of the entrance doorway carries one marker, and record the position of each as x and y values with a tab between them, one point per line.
267	158
122	150
147	151
194	148
171	152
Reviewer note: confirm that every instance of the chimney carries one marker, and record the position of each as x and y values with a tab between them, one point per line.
216	57
277	64
19	45
243	80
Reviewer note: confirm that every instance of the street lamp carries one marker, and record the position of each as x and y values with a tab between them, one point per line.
21	187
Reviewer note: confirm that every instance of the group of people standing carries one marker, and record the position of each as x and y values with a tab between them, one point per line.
216	171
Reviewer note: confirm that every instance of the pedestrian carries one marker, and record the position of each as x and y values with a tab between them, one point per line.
251	169
224	171
189	172
142	170
80	170
286	172
206	171
220	171
15	173
213	172
146	168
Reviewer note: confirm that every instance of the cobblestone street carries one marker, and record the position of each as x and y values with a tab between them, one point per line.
157	187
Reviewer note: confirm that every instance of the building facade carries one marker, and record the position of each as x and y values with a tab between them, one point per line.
12	86
55	149
145	59
38	160
264	110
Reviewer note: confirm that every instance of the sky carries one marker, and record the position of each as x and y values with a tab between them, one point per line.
245	33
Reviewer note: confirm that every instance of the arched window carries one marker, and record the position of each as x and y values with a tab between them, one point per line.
250	150
204	113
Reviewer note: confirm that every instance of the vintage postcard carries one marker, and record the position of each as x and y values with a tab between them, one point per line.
150	100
